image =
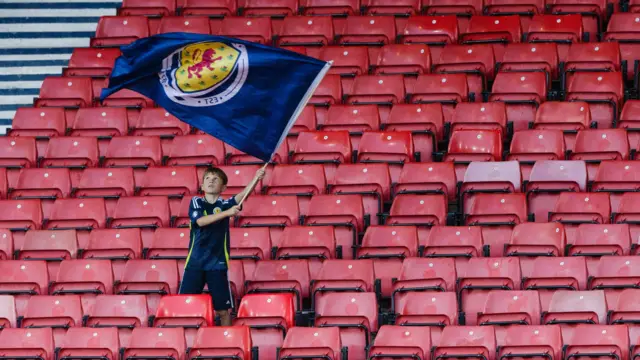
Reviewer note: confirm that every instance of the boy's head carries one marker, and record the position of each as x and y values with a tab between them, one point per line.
214	181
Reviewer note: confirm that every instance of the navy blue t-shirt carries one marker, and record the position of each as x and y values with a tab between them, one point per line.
209	245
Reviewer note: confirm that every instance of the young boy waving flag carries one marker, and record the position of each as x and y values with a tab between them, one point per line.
208	258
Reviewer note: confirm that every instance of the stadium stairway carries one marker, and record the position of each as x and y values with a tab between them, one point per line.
36	40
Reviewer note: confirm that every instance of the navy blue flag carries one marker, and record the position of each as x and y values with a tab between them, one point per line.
245	94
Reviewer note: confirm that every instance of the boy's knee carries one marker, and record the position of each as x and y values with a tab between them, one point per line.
223	312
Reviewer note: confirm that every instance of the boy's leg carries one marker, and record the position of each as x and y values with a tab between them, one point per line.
192	282
220	290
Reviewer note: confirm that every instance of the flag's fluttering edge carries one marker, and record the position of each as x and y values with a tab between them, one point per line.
245	94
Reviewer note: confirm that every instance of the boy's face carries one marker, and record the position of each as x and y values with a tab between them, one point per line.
212	184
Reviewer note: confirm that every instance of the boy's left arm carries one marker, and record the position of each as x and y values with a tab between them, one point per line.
248	189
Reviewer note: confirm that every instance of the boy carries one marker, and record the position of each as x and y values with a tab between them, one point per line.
208	257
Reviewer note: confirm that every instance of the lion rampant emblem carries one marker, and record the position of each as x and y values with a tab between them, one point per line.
204	65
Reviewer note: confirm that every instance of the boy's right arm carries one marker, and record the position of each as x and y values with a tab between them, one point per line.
210	219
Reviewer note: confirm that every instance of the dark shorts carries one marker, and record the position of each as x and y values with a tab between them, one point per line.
193	282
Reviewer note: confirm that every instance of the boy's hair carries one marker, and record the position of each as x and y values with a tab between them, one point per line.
215	171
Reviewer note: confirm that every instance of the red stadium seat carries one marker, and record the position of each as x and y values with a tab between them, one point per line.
75	153
175	182
454	241
269	316
313	342
270	211
596	240
561	29
301	242
604	91
435	31
626	214
602	56
436	178
577	307
476	61
511	308
628	120
478	277
231	341
616	178
345	212
529	146
82	342
250	245
39	123
23	279
596	145
145	212
401	59
382	90
347	275
82	215
169	244
115	31
138	152
192	24
353	118
20	216
57	312
51	246
467	341
590	340
105	123
116	245
548	275
328	92
346	62
67	92
425	121
433	309
399	341
624	310
196	150
250	29
388	246
190	312
622	29
365	30
466	146
570	117
329	148
335	8
491	30
126	98
446	89
356	316
305	31
17	153
124	312
8	312
213	9
239	176
394	7
109	184
548	178
277	276
275	9
541	57
44	184
153	278
419	275
6	244
523	92
303	181
423	211
87	278
392	147
530	340
156	343
158	122
147	8
489	177
573	209
480	116
27	344
530	240
371	181
91	62
497	214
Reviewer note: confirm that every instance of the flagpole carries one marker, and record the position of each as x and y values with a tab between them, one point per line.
292	121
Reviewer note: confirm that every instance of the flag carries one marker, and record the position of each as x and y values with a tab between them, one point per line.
245	94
